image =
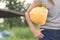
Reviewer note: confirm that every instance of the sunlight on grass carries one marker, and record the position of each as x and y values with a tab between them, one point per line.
22	34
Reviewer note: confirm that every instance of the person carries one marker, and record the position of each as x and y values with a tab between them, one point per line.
51	30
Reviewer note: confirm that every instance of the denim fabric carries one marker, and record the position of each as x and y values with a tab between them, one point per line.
51	34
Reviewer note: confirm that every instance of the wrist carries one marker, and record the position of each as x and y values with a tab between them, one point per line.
33	28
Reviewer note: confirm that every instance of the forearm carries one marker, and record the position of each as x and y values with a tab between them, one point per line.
30	23
33	29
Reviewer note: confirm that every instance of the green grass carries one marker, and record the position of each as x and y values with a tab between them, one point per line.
21	33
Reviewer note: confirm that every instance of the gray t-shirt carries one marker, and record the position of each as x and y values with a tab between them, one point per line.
53	18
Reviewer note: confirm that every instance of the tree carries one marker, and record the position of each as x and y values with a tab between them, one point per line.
18	6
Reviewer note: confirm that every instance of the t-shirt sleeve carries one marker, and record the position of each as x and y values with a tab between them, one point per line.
38	1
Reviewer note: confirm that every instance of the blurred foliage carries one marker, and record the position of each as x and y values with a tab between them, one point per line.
17	6
22	34
20	29
19	33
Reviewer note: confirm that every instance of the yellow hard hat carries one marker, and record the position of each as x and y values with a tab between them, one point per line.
38	15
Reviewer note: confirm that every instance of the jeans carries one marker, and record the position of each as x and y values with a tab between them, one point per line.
50	34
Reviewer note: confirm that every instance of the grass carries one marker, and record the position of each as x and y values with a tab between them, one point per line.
21	33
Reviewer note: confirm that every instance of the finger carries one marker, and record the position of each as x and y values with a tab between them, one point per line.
41	36
41	29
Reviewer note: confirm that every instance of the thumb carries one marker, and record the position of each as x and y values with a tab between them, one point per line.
41	29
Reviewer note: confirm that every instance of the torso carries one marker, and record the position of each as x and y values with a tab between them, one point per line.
53	18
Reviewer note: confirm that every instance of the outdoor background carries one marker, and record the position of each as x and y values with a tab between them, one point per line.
17	26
